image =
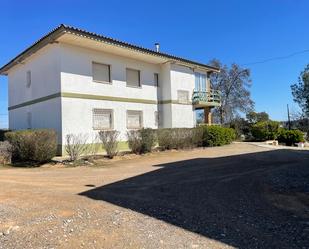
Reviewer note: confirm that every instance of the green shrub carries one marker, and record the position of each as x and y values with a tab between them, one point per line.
267	130
217	135
110	142
141	141
179	138
36	146
290	137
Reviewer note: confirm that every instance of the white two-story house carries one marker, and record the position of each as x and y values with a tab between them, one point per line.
79	82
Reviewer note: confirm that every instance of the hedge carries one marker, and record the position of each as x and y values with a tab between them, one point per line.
290	137
217	135
141	141
180	138
36	146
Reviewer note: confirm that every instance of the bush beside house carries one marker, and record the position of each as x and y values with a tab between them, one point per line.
141	141
36	146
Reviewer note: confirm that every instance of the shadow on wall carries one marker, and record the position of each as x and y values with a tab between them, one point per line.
219	198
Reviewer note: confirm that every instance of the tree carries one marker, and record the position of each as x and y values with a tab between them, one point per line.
234	83
300	91
255	117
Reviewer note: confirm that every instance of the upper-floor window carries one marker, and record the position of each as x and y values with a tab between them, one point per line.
134	119
102	119
183	96
28	79
156	79
133	77
101	72
200	82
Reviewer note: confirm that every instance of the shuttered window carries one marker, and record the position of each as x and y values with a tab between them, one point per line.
183	96
28	79
133	77
134	119
101	72
102	119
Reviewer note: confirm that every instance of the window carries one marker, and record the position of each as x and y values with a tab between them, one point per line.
28	78
29	120
156	117
102	119
133	77
183	96
156	79
134	119
200	82
101	72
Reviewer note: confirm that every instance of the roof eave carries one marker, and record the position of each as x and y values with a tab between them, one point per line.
60	30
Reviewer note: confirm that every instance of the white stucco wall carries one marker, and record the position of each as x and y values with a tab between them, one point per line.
76	74
45	76
77	116
45	80
182	78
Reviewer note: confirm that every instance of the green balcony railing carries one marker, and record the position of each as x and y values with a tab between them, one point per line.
207	97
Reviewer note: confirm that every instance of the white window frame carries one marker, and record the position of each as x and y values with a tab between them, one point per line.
109	111
139	78
28	79
183	101
109	71
140	119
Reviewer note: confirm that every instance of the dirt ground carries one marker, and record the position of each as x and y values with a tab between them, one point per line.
236	196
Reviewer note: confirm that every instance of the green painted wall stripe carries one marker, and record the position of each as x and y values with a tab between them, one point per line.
34	101
94	97
108	98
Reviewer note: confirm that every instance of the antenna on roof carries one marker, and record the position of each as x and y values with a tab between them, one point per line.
157	46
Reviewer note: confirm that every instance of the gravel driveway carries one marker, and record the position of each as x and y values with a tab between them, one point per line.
236	196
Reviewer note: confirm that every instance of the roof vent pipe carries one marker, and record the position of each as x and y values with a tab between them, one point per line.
157	46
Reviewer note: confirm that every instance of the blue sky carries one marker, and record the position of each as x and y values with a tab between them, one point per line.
239	31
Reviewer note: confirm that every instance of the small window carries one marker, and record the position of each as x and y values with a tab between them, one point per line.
102	119
29	120
28	76
156	79
133	77
156	117
101	72
183	96
134	119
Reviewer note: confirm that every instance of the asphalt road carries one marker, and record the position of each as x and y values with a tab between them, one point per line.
255	200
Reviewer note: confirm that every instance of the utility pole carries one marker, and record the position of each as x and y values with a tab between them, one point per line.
289	120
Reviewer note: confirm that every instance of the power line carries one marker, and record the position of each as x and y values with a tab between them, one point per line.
276	58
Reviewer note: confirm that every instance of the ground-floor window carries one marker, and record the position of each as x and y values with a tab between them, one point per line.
134	119
102	119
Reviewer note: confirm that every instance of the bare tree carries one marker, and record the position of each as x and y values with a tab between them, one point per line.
76	145
234	83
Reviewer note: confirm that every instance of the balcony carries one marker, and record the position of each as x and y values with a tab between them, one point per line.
210	98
